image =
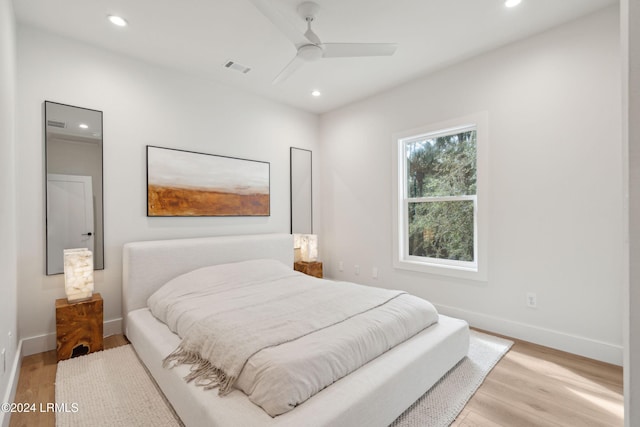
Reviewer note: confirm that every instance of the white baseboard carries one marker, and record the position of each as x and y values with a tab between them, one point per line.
12	385
46	342
587	347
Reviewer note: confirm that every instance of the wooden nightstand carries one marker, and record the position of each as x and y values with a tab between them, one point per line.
313	268
78	327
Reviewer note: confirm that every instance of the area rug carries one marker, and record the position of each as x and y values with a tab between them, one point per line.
440	406
112	387
109	388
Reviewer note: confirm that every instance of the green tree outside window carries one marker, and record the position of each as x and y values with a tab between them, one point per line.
440	190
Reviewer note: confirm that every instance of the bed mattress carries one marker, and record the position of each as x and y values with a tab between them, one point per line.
373	395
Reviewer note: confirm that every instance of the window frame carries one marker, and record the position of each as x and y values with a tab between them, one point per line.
473	270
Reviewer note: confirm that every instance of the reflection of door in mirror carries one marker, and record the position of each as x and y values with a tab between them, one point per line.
301	194
74	183
69	216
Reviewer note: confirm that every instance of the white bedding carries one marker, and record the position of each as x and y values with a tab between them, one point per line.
280	373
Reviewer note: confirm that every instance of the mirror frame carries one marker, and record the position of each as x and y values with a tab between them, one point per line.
294	167
98	228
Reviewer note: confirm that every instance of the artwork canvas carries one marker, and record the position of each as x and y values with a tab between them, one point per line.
185	183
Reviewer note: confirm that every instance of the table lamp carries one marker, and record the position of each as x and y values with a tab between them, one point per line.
309	247
78	274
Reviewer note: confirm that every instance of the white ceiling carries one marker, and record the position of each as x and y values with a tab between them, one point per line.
199	36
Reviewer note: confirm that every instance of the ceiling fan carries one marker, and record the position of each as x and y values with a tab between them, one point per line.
309	46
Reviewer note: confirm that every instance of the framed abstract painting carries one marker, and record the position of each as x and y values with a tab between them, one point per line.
186	183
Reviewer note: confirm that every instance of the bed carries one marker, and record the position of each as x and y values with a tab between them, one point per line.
373	395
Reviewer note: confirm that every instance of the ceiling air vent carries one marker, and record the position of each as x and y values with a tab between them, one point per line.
56	124
237	67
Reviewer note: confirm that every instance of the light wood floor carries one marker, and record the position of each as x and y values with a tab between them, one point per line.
538	386
530	386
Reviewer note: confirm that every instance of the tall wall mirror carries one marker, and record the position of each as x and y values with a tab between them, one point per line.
301	195
73	171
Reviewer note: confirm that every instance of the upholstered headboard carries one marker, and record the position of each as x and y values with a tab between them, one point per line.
149	265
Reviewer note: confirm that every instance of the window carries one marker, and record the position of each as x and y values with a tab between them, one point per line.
438	226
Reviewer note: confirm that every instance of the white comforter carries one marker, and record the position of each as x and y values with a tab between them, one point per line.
326	332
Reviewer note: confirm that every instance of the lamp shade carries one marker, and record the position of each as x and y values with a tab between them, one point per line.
309	247
78	274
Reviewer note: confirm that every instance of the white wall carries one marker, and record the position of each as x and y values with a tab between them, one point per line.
630	38
8	253
555	199
142	104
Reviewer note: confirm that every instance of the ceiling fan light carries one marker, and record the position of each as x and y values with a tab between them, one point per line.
117	20
512	3
316	93
310	52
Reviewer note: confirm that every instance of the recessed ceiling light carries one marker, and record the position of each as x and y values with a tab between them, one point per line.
316	93
83	126
117	20
512	3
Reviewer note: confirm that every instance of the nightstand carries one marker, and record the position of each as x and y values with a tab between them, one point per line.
313	268
79	327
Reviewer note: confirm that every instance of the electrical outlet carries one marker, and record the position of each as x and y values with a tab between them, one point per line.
532	300
341	266
356	268
374	272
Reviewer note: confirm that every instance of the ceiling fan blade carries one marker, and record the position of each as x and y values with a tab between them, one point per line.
343	50
280	22
291	68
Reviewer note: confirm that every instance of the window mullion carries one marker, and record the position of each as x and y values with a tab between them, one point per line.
439	199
